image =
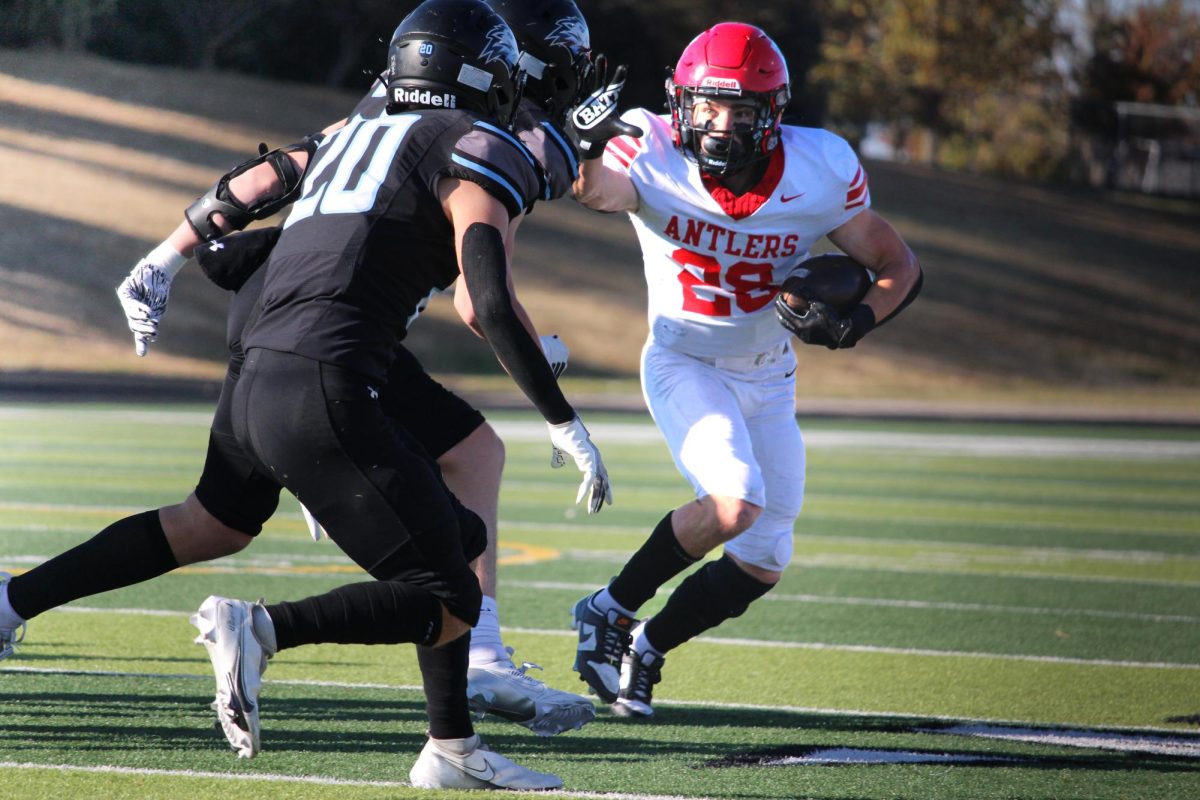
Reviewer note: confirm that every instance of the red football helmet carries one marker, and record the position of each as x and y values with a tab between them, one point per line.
730	61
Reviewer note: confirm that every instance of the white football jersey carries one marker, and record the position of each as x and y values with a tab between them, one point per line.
714	262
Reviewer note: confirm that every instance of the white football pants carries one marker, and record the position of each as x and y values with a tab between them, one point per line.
731	427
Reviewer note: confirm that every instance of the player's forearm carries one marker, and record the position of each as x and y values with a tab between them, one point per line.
484	269
603	189
898	280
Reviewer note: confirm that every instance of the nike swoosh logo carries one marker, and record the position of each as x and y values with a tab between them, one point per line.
790	374
484	775
588	642
783	198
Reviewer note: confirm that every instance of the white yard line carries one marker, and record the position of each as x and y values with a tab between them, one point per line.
997	445
312	780
788	709
767	644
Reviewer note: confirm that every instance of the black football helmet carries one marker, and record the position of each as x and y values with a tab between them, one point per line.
454	54
556	50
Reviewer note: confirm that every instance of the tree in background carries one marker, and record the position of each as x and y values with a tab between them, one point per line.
1147	54
960	83
987	85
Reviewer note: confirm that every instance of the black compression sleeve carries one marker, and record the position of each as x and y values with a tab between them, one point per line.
485	270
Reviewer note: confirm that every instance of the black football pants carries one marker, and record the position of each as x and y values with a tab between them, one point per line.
320	432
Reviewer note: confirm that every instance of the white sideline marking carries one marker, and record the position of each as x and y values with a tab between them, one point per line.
769	644
1188	747
269	777
860	755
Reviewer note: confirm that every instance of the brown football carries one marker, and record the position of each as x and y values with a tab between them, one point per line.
835	279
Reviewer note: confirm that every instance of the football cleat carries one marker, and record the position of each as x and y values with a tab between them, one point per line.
9	637
467	764
239	638
603	639
509	693
639	673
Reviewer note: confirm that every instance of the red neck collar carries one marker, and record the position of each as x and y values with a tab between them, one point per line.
740	206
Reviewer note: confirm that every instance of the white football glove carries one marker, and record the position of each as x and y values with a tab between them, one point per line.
314	527
571	438
143	294
556	352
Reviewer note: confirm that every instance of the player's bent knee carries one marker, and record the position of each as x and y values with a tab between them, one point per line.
482	451
452	628
734	516
196	535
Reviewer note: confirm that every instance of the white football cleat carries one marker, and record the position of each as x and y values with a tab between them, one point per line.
639	673
509	693
603	639
9	637
467	764
239	638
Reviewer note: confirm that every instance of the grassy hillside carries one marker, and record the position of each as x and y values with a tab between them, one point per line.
1032	295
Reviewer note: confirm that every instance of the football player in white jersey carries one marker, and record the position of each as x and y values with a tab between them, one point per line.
725	201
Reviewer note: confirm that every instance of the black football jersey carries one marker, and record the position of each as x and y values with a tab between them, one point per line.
367	243
550	147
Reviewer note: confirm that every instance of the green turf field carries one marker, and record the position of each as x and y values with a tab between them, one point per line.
973	611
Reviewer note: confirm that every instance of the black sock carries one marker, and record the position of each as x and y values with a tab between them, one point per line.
130	551
374	612
444	673
656	562
718	591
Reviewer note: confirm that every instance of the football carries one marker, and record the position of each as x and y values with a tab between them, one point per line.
835	279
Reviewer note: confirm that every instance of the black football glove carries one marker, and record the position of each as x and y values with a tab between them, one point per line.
852	327
821	324
595	121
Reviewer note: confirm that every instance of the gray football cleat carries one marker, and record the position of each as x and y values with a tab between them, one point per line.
467	764
508	692
239	637
9	637
603	639
639	673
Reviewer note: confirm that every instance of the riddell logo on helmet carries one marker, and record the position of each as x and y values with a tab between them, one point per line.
423	97
722	83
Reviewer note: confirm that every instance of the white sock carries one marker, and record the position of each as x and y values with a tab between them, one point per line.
604	602
458	747
8	617
487	647
639	644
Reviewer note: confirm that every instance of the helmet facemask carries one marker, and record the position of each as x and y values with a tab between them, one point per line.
720	152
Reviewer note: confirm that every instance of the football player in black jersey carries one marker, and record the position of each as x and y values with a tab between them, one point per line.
477	161
231	501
